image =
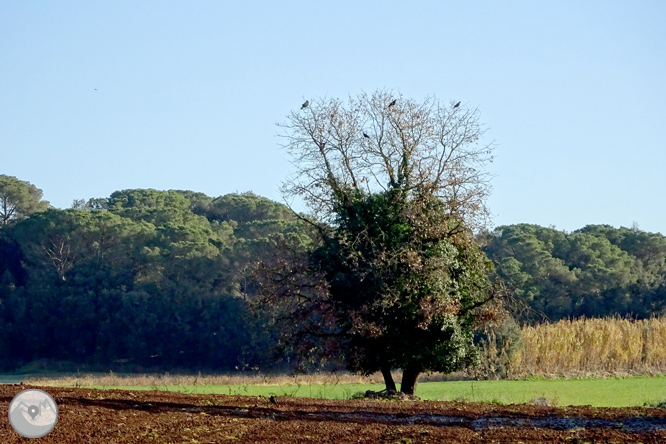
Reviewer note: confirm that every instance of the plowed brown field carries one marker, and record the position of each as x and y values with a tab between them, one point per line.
120	416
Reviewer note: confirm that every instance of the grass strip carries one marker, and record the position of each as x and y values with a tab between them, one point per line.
614	392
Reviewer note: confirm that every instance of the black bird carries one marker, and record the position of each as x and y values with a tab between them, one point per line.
273	400
456	105
365	135
393	103
306	104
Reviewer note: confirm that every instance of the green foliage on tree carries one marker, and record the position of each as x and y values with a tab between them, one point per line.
59	245
405	285
141	279
595	271
18	199
246	207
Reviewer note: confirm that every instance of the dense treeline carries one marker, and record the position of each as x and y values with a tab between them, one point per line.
144	278
595	271
150	278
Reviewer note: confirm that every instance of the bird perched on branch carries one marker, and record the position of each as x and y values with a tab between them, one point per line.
393	103
456	105
365	135
306	104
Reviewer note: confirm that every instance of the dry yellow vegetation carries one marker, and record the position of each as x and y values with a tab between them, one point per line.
592	347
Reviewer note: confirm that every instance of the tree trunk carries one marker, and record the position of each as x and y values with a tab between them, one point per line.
388	378
409	377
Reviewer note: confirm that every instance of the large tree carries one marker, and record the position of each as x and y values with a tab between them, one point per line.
393	279
18	199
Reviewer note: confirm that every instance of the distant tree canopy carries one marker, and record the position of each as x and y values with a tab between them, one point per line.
18	199
142	279
595	271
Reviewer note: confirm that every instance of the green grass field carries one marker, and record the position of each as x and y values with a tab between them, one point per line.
621	392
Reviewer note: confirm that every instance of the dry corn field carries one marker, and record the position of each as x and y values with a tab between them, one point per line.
592	347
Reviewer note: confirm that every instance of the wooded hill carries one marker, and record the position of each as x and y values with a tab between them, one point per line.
145	277
595	271
150	278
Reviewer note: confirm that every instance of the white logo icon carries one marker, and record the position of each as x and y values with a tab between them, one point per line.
33	413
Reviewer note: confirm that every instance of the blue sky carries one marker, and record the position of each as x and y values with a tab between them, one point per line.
101	96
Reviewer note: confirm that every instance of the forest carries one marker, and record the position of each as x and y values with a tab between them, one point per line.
148	279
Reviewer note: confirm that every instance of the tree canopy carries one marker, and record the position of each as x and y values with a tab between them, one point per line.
366	146
595	271
393	279
18	199
141	279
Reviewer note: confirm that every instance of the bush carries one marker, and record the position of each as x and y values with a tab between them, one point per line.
497	346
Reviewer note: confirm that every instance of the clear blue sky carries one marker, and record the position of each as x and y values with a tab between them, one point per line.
101	96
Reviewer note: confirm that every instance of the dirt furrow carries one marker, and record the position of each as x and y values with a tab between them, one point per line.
121	416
